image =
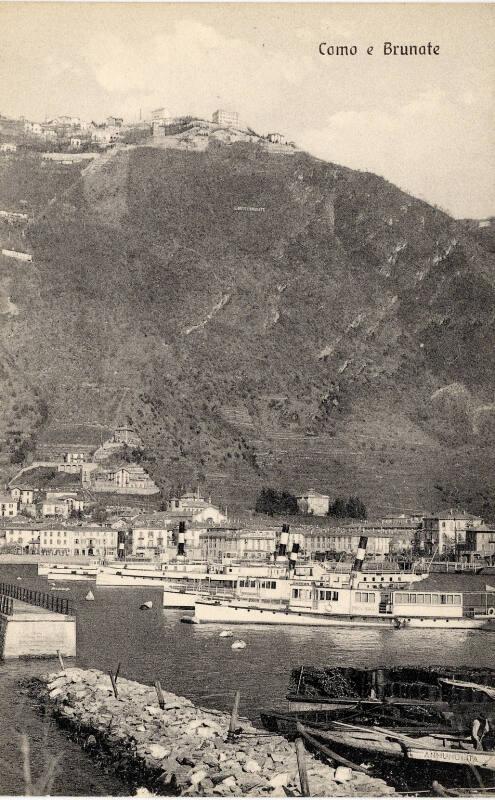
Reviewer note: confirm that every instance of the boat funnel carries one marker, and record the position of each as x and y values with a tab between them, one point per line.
181	539
360	555
284	539
294	553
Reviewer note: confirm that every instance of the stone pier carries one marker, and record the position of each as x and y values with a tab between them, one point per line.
32	631
183	749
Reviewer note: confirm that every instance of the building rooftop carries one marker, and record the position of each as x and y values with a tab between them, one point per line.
453	513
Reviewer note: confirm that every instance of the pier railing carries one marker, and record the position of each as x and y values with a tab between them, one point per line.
58	605
6	605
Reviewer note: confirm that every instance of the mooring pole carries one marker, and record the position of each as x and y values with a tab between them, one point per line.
234	717
301	765
114	685
159	694
61	660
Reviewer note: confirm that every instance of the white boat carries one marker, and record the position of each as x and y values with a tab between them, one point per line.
269	582
69	572
317	603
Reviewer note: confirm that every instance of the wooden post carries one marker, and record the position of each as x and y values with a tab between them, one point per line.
159	694
61	660
234	717
117	672
301	764
114	685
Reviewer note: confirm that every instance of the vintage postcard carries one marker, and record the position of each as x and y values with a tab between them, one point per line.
247	399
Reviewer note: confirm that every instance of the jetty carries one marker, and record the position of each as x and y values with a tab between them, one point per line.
167	745
35	624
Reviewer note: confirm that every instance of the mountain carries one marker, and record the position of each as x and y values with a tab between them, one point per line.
340	335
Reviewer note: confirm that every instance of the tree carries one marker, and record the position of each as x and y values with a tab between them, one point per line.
356	508
353	507
338	508
99	514
271	501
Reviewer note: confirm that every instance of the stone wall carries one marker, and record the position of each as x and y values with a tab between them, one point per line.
181	748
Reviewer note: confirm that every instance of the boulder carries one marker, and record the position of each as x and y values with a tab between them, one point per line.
57	692
251	766
343	774
198	776
158	751
282	779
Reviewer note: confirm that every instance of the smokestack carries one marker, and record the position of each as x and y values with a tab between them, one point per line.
294	553
181	539
284	538
360	555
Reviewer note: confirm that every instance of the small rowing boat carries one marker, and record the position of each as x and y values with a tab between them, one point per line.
439	748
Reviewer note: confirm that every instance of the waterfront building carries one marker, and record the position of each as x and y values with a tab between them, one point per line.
238	543
82	540
21	533
344	539
479	542
444	531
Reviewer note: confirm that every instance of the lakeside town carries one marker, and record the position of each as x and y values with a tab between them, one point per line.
101	504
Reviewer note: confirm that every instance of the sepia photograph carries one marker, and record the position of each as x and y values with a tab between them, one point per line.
247	399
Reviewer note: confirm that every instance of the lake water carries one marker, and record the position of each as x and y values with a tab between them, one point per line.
193	661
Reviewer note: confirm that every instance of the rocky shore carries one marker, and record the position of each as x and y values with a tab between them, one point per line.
182	749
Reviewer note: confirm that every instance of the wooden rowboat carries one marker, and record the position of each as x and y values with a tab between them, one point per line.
439	748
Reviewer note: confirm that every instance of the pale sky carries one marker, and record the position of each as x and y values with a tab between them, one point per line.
425	123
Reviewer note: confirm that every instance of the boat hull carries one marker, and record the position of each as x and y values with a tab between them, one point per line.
243	615
448	623
175	599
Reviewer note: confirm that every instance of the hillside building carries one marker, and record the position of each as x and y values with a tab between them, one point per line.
126	435
197	509
313	503
17	254
229	119
8	506
160	115
8	147
123	479
24	495
276	138
59	504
